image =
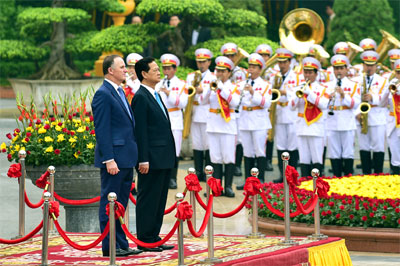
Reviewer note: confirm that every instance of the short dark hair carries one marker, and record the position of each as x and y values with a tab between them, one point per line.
108	61
143	65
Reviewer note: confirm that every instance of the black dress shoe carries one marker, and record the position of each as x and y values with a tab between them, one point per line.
229	193
132	251
120	252
279	180
156	249
238	171
241	187
269	167
166	247
134	192
172	184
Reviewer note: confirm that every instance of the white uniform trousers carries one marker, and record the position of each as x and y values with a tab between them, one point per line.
199	136
254	142
311	149
238	136
374	140
222	147
340	144
394	145
285	137
178	141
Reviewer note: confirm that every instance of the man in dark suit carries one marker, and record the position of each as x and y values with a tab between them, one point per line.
156	154
116	149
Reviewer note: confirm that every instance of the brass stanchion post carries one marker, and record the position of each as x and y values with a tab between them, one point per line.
45	230
21	210
317	235
191	170
254	225
181	255
52	171
287	241
112	197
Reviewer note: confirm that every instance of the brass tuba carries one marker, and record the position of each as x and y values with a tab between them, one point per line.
354	49
187	116
388	42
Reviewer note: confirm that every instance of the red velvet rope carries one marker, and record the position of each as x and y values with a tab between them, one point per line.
41	182
76	202
150	245
281	214
132	198
205	220
81	247
33	205
313	199
24	238
222	215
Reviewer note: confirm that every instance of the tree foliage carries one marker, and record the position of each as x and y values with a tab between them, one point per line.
12	50
358	19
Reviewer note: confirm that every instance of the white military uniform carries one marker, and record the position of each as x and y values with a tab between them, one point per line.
285	133
393	130
174	102
310	136
200	112
374	140
132	86
341	126
238	75
254	118
221	134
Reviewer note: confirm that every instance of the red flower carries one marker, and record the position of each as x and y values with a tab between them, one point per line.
70	117
91	118
364	218
28	152
371	214
59	124
374	209
57	151
52	119
341	207
9	136
323	213
331	204
64	130
17	130
38	122
9	157
47	126
275	203
28	134
349	201
72	133
329	212
357	208
3	150
398	221
383	217
92	132
351	216
385	207
87	128
397	210
344	201
321	205
337	216
27	139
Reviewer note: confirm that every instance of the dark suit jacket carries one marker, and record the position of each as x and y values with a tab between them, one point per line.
115	138
153	131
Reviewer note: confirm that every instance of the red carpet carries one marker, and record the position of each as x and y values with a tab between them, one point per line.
232	250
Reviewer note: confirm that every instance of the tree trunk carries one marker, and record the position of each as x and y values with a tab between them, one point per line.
56	67
181	39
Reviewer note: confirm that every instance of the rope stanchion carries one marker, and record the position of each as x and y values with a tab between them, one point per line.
52	170
45	234
24	238
181	255
205	220
193	185
76	202
317	235
21	179
254	226
33	205
112	197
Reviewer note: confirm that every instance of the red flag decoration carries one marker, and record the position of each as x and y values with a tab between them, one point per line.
224	107
396	108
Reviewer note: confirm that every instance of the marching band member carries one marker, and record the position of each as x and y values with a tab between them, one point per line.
132	82
174	95
322	75
366	44
310	103
371	136
393	121
223	98
266	51
285	134
393	54
254	120
239	74
201	153
344	97
342	48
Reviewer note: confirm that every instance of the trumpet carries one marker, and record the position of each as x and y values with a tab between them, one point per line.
393	87
214	85
333	100
300	93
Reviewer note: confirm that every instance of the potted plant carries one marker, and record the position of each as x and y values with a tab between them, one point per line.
61	135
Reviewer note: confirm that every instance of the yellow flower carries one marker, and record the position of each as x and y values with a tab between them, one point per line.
48	139
76	155
49	149
42	130
58	128
81	129
53	123
72	140
40	140
87	119
3	146
29	129
76	121
60	138
16	147
22	149
90	145
15	138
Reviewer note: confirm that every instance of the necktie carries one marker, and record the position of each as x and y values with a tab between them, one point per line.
167	83
123	99
252	83
159	102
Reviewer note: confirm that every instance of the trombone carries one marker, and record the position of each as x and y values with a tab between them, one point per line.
300	92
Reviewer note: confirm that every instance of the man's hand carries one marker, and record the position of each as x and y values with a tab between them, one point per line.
165	90
112	168
249	88
199	90
367	97
144	168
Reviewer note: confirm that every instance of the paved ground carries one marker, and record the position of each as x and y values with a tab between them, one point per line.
237	224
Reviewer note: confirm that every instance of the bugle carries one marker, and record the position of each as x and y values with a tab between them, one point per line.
300	93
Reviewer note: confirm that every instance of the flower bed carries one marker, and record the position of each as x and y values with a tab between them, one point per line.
355	201
65	137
